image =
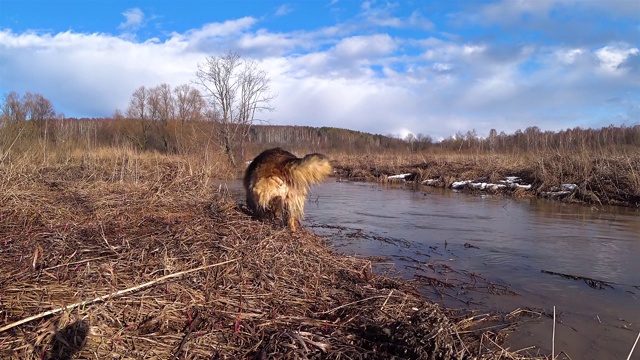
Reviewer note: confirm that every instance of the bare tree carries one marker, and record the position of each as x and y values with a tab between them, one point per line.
138	110
161	110
117	115
493	136
411	139
189	104
160	103
189	107
236	89
138	104
38	107
13	109
30	107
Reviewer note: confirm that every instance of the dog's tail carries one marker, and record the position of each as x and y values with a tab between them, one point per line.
309	170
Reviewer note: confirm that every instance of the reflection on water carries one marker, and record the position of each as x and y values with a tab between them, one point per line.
509	242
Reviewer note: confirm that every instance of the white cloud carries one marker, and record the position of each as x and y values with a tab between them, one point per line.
419	21
470	49
442	67
283	10
309	64
612	57
366	5
134	19
343	103
380	15
358	47
402	133
445	51
216	37
263	43
494	89
569	56
93	74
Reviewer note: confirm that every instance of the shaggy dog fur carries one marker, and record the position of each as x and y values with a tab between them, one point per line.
277	183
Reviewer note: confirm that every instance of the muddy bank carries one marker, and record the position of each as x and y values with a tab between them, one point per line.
595	181
157	264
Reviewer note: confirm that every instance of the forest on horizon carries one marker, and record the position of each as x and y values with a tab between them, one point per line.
176	130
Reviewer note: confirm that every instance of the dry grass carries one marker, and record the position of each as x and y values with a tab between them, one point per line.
127	230
611	178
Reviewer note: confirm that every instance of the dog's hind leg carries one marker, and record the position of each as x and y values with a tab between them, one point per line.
294	224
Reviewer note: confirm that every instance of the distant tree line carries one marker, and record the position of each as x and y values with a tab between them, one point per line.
180	121
534	139
321	139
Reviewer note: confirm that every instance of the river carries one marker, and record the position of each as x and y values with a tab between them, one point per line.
499	254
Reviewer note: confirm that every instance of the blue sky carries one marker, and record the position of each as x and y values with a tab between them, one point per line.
389	67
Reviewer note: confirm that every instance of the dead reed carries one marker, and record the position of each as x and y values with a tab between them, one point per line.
602	178
139	257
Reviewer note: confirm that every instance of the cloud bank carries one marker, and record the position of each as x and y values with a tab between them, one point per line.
497	65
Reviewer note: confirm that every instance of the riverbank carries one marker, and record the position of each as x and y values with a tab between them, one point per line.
595	179
138	256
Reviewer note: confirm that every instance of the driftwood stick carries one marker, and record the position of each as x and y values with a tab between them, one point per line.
633	347
553	335
111	295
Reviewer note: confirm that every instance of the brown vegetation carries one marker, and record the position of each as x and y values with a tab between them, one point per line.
604	163
117	254
118	217
612	178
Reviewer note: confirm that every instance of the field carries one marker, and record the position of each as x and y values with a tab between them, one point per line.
122	255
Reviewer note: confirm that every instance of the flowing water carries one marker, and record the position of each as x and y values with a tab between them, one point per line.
500	254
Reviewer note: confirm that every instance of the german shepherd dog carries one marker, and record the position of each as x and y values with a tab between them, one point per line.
277	183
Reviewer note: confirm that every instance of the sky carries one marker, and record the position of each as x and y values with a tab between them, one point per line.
435	68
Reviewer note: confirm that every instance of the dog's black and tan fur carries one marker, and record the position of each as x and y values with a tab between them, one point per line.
277	183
